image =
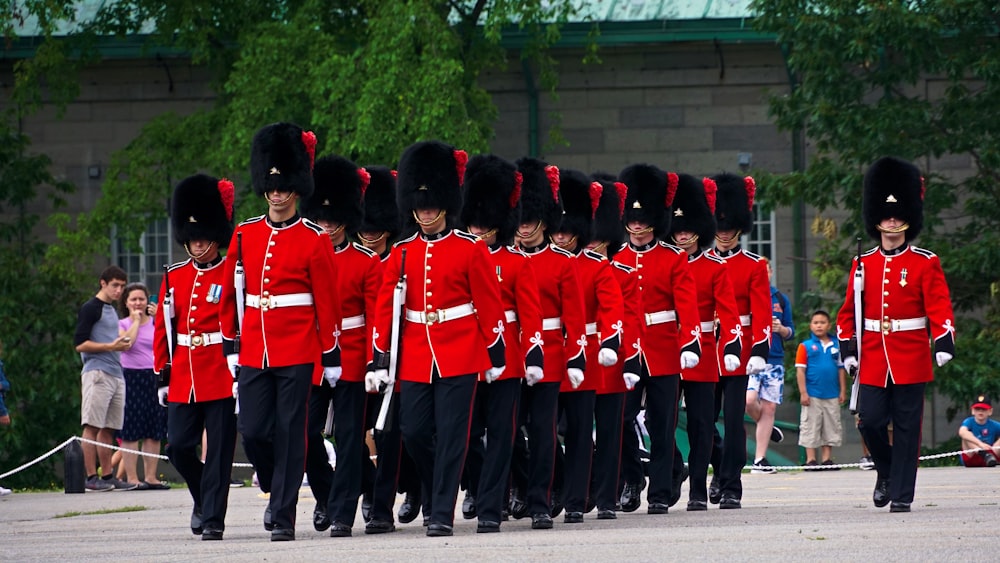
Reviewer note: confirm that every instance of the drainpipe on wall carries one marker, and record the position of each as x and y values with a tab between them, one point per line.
532	91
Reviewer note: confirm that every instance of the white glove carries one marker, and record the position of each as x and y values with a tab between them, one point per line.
533	374
575	377
630	380
371	382
689	360
732	362
942	358
756	365
607	357
161	395
233	361
332	375
494	373
851	364
236	395
382	377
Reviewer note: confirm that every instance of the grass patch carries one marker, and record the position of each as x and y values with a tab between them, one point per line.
102	511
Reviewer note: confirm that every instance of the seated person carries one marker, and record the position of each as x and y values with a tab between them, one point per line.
980	431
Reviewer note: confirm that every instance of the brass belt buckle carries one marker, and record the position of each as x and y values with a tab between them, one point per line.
265	303
432	317
886	326
196	340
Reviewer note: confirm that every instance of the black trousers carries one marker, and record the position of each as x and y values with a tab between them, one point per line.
208	483
389	444
903	405
317	462
661	423
608	412
434	419
541	406
349	400
273	406
578	409
699	402
729	453
495	414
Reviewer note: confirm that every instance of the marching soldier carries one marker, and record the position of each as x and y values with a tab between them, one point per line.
693	228
491	211
671	336
381	222
286	341
903	298
453	326
603	313
194	381
335	205
609	235
563	329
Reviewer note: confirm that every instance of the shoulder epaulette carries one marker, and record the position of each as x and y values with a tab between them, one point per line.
467	236
870	251
514	250
623	246
675	249
319	230
713	257
252	220
364	249
176	265
404	240
622	267
923	252
594	256
753	256
564	252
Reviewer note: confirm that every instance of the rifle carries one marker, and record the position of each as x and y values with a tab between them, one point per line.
239	285
168	325
395	342
859	325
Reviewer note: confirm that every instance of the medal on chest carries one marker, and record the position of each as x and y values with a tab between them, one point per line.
499	277
902	278
214	293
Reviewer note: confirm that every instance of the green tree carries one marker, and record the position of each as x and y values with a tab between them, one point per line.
916	79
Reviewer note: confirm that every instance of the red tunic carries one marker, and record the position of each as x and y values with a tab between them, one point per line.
628	353
451	269
360	273
562	298
752	290
199	372
292	259
519	293
603	310
666	285
907	284
715	301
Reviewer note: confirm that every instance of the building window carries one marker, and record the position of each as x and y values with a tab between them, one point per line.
145	266
761	239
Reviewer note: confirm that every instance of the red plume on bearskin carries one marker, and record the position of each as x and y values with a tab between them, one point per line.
461	159
671	188
622	191
751	186
710	190
515	196
552	173
595	197
309	140
228	194
366	178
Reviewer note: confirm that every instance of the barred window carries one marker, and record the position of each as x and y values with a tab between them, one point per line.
761	239
145	266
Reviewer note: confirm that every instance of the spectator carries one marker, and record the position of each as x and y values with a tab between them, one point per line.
144	418
102	410
765	389
980	431
822	389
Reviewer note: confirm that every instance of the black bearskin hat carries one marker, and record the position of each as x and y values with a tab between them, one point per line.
580	196
893	188
430	177
540	193
492	193
282	159
202	209
649	196
608	225
379	202
694	208
337	197
734	203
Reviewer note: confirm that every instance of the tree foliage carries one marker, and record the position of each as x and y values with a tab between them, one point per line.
918	79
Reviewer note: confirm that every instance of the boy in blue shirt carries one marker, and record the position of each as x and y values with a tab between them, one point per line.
822	390
979	431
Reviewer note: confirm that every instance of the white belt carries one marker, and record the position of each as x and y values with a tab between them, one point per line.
708	326
348	323
895	325
745	320
552	323
441	315
660	317
511	315
274	301
204	339
591	329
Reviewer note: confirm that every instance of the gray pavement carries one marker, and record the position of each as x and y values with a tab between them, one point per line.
790	516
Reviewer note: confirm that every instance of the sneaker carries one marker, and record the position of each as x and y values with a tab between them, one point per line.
777	435
4	492
811	465
99	485
866	463
991	460
119	485
236	483
762	466
829	462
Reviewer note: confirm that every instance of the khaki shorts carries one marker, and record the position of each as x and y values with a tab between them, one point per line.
103	404
819	424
